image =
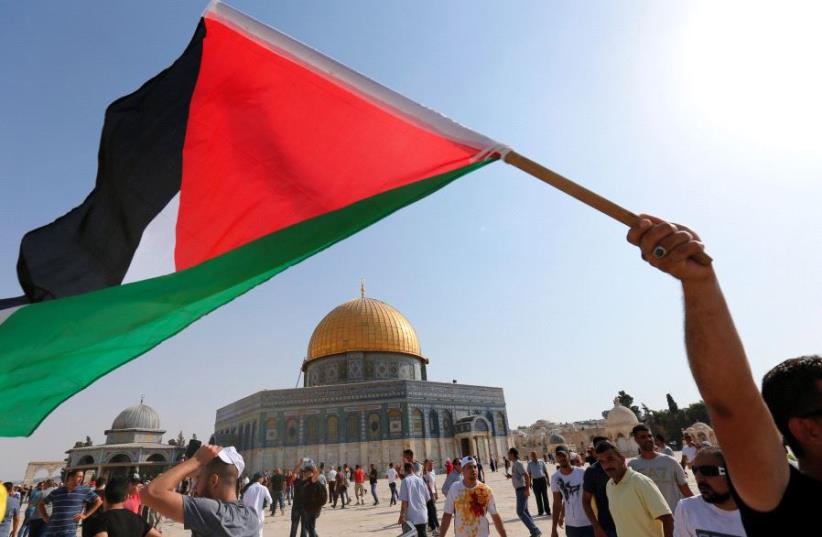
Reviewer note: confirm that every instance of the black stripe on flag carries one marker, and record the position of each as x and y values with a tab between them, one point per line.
139	171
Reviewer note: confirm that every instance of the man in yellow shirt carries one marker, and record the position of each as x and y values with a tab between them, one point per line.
637	506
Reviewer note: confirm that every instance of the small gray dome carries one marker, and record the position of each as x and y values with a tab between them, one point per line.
557	439
137	417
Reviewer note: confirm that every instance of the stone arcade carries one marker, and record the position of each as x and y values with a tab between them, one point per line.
365	398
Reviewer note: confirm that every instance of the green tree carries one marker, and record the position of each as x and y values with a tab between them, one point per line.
627	401
673	408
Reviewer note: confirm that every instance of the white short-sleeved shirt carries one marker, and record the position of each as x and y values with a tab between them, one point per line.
469	506
391	474
694	517
255	497
570	486
690	453
414	491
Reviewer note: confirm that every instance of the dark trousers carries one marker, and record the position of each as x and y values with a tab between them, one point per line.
579	531
278	498
540	485
309	523
36	527
421	530
295	522
374	493
433	523
393	487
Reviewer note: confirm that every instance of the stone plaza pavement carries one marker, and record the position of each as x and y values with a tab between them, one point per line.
381	520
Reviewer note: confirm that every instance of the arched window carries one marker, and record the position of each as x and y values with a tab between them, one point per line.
292	431
312	430
157	457
374	425
395	421
447	423
499	423
353	427
122	457
332	429
85	460
433	422
417	421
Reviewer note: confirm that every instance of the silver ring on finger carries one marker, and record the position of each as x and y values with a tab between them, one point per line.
660	252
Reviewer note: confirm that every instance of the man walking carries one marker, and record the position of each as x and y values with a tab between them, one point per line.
774	498
391	475
213	510
638	508
414	497
539	482
372	480
715	511
331	479
522	487
429	477
309	499
666	473
566	486
359	485
71	503
453	477
257	497
468	502
277	488
688	450
594	485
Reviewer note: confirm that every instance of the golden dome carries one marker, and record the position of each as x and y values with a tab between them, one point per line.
363	324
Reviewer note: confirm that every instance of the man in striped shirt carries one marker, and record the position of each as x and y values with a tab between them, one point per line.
68	506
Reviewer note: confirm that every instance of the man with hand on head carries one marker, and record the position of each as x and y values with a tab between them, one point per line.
213	510
714	512
774	498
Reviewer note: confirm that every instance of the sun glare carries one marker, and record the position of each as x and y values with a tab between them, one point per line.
754	72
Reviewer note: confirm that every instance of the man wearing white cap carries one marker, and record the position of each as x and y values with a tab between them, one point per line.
467	503
214	510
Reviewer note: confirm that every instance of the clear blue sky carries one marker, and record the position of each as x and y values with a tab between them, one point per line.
709	116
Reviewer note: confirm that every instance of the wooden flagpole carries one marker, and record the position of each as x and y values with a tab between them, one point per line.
581	193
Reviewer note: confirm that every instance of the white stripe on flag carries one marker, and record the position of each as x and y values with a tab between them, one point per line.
6	313
155	253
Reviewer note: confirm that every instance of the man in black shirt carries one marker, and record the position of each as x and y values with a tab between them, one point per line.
309	498
593	488
773	497
117	521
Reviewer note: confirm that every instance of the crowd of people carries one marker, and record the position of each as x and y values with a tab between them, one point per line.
750	486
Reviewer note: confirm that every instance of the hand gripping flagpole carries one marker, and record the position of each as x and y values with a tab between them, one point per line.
584	195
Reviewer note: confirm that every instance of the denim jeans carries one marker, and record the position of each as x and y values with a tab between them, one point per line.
374	493
523	514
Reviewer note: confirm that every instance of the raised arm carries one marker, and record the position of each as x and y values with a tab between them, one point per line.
719	365
161	494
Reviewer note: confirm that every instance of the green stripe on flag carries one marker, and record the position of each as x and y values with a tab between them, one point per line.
51	350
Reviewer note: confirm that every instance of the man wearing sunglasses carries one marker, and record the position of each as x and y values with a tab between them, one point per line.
774	498
715	511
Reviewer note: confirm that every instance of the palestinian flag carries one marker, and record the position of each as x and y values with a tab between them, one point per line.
249	154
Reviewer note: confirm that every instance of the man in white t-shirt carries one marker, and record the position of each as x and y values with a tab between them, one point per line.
566	486
391	475
414	496
688	450
468	502
714	512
